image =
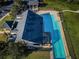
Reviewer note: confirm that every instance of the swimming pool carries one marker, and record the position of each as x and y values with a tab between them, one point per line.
52	26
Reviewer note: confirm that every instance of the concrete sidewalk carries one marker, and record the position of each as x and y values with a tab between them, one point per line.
70	11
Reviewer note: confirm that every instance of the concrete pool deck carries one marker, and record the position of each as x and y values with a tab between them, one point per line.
56	15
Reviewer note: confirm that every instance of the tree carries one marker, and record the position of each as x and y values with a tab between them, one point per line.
72	1
17	6
18	3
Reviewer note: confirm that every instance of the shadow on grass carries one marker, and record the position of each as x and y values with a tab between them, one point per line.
6	3
43	4
18	51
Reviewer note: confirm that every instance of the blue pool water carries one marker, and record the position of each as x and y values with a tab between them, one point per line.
52	26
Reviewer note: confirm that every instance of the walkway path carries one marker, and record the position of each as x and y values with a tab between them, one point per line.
4	16
1	32
6	31
51	54
71	11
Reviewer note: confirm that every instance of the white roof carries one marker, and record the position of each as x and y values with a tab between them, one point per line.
20	26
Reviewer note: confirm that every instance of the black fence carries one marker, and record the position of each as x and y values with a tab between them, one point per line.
68	37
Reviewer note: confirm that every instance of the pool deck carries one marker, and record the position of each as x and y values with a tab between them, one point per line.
56	15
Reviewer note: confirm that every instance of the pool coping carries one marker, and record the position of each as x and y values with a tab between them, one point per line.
56	15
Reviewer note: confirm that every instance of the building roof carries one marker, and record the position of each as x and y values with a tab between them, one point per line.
33	2
30	28
8	24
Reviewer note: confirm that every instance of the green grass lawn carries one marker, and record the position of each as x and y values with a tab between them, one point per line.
71	26
60	5
32	55
39	55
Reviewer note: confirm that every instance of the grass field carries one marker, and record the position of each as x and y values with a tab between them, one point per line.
60	5
71	26
3	37
39	55
33	55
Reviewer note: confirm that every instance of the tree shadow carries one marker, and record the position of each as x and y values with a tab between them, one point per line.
18	51
6	3
27	52
3	45
43	4
23	50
